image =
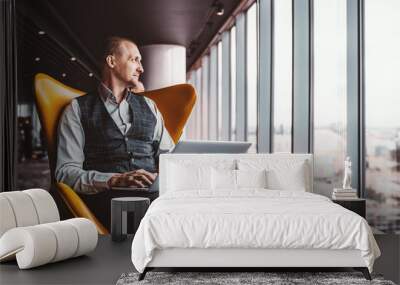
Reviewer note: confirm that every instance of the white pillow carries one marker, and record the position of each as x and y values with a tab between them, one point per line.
236	179
251	178
282	173
293	179
183	177
223	179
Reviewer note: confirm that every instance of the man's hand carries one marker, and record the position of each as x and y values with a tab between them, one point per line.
138	88
137	178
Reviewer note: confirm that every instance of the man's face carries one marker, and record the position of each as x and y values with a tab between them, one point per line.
128	66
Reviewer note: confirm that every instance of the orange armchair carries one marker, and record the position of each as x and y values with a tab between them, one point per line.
175	104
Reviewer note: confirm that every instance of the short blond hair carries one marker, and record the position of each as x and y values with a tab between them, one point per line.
113	45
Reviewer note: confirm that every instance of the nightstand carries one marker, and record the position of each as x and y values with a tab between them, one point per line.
355	205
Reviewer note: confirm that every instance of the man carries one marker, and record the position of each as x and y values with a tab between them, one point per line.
112	137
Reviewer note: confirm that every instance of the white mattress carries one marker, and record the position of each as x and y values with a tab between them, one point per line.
251	218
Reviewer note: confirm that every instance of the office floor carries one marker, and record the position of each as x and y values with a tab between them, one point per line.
389	262
33	173
102	266
110	259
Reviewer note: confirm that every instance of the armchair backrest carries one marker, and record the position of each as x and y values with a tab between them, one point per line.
51	98
175	104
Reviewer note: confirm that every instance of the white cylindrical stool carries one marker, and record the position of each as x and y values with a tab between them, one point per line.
119	209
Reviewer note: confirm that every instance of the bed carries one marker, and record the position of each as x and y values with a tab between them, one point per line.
247	210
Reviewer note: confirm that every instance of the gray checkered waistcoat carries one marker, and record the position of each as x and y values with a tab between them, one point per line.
106	148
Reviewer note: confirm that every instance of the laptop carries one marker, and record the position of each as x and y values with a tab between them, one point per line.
211	147
198	147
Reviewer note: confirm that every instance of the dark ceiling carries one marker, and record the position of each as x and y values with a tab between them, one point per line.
79	28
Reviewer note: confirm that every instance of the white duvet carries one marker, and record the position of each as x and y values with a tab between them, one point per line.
250	219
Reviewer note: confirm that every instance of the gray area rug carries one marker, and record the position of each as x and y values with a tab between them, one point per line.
229	278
